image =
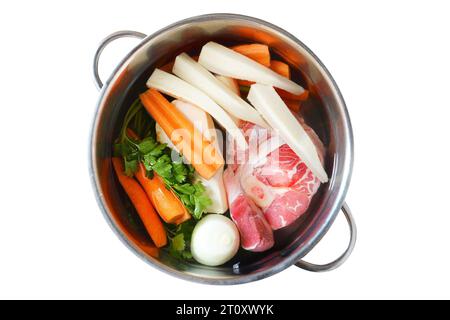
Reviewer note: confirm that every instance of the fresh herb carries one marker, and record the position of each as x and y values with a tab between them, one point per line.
142	123
180	240
156	157
193	197
125	146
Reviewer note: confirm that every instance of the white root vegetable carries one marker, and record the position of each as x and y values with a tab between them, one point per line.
195	74
214	187
224	61
180	89
162	137
215	240
266	100
268	146
230	83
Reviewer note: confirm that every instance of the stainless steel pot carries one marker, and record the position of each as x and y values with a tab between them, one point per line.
329	118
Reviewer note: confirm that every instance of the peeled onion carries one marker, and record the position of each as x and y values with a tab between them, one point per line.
215	240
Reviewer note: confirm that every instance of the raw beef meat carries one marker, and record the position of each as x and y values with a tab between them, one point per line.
288	182
256	233
278	182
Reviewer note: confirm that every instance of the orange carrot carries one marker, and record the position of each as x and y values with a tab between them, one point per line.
131	134
255	51
142	204
284	70
167	67
293	105
245	83
149	249
190	142
146	245
168	206
280	68
185	217
289	96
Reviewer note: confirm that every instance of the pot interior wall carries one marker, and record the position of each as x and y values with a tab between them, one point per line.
322	111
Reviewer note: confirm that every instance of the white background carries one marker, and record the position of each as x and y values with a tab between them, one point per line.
391	61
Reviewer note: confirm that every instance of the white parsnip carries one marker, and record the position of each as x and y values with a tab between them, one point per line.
195	74
224	61
271	106
175	87
230	83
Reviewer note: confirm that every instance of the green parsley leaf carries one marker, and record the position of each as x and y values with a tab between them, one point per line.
199	188
147	145
180	171
187	255
186	201
163	167
186	188
131	167
149	161
158	150
201	201
178	242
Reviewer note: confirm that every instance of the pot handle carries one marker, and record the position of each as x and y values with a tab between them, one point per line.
339	261
104	43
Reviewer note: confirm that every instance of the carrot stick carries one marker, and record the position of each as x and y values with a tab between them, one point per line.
289	96
245	83
142	204
189	141
283	69
293	105
256	51
150	249
167	67
168	206
280	68
146	245
185	217
131	134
